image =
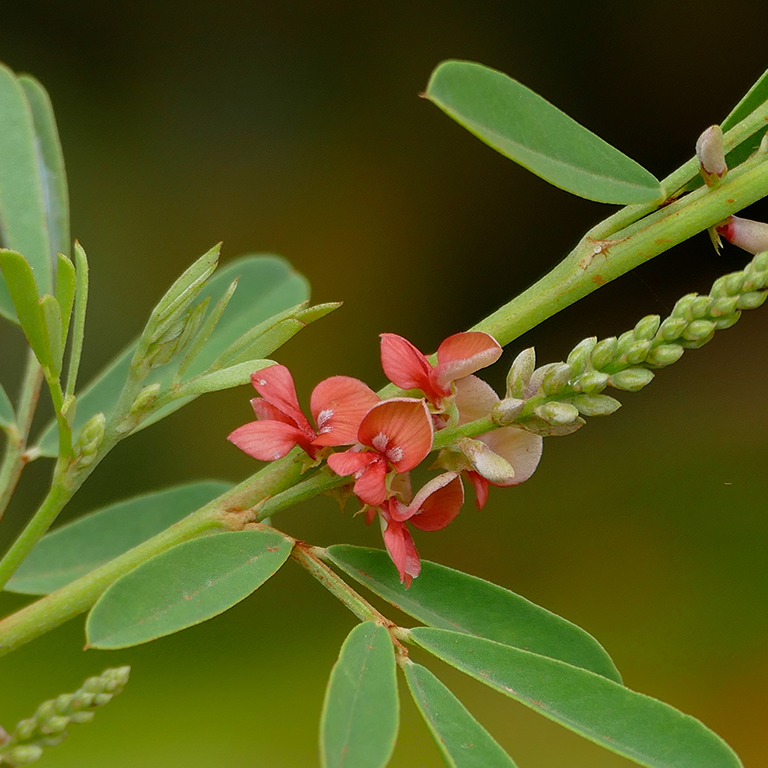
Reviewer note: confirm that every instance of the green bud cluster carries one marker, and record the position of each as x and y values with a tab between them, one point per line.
47	726
551	400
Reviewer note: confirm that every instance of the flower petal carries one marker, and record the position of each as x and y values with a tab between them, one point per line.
522	449
485	461
399	544
400	429
474	399
349	462
338	406
370	486
481	488
464	353
265	410
439	501
268	440
275	385
403	364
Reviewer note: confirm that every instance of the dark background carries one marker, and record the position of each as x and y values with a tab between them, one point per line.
297	129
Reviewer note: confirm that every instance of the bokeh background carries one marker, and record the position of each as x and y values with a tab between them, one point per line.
296	128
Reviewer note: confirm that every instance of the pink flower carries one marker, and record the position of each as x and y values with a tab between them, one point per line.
338	406
398	433
750	235
458	356
504	457
433	507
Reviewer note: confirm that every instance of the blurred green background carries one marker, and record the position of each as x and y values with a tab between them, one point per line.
296	128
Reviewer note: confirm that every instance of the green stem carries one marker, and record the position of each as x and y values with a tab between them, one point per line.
309	558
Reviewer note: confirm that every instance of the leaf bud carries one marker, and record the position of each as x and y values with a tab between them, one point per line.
506	411
709	150
752	299
557	414
672	328
595	405
145	398
520	373
637	353
699	329
751	236
604	352
556	378
581	354
486	462
631	379
664	354
647	328
725	305
591	382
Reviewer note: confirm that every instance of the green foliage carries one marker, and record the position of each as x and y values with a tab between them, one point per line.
638	727
463	742
77	548
267	287
7	415
361	710
754	98
448	599
184	586
529	130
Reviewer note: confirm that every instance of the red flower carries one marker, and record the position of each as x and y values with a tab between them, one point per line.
433	507
458	356
398	433
338	406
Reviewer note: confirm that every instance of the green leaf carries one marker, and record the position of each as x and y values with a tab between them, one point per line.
23	223
53	331
267	286
235	376
78	323
463	742
631	724
448	599
184	586
529	130
7	414
66	287
51	163
79	547
754	98
23	289
358	727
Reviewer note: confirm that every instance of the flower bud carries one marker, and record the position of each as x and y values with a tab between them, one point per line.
729	320
89	441
145	398
556	378
81	717
625	341
486	462
557	414
700	307
709	150
604	352
24	753
672	328
581	354
760	262
752	299
520	373
682	305
725	305
506	411
637	353
595	405
750	235
631	379
5	737
647	328
54	725
664	355
25	729
591	382
699	329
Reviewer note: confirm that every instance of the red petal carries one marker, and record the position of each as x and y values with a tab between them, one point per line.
520	448
400	429
275	385
399	544
439	501
349	462
481	488
464	353
264	410
268	440
338	406
403	364
370	486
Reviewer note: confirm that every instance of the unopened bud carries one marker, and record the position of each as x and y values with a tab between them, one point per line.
728	321
557	414
752	300
725	305
25	729
24	753
605	352
595	405
750	235
145	398
581	354
647	328
664	355
760	262
709	150
625	341
4	736
591	382
700	307
682	305
520	373
699	329
506	411
631	379
81	717
90	438
637	353
54	725
672	328
486	462
556	378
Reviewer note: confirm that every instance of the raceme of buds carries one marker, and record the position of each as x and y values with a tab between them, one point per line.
89	441
709	150
750	235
